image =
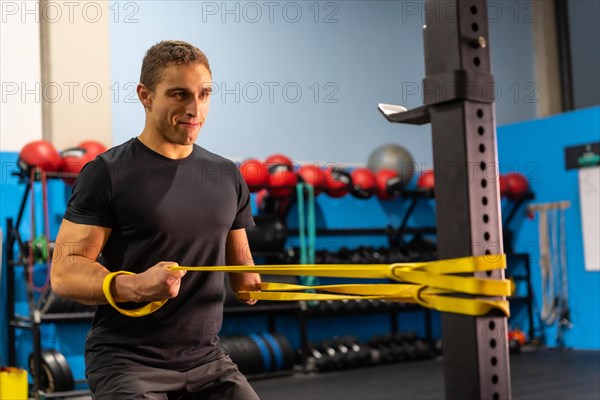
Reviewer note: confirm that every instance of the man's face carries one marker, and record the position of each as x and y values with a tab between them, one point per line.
180	103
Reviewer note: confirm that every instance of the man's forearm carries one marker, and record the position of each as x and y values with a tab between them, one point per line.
83	282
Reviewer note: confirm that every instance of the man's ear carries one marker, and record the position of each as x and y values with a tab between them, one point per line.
145	95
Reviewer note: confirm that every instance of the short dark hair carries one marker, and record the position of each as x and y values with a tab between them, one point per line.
165	54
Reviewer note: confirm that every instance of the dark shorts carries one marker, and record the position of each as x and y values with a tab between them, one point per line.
219	379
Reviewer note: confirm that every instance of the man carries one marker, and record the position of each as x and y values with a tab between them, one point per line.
156	201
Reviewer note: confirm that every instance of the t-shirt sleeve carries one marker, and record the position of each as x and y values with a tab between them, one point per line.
243	218
90	201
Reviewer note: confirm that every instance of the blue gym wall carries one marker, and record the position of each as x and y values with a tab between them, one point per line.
536	149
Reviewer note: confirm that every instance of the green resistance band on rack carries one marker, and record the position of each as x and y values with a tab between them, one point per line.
430	284
307	227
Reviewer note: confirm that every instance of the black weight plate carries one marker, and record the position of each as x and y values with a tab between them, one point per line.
247	355
286	349
68	383
51	376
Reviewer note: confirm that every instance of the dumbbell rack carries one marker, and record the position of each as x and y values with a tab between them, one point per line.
305	313
392	310
36	318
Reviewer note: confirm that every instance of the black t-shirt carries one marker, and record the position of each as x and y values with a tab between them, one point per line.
161	209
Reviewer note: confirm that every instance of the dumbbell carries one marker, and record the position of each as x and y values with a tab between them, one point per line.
314	360
42	249
403	350
344	355
329	306
357	355
383	352
386	305
343	255
425	349
321	358
362	305
335	358
407	342
420	349
349	305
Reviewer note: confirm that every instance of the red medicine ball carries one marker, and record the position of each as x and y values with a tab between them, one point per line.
339	183
313	175
389	184
426	180
74	159
279	159
503	186
282	181
516	185
255	173
40	154
92	147
364	183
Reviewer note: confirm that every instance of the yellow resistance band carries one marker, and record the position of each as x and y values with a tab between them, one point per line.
426	283
138	312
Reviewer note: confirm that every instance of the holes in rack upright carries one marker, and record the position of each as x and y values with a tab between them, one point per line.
476	61
496	396
486	236
473	10
481	130
495	379
483	183
494	361
484	200
488	273
486	218
482	148
479	113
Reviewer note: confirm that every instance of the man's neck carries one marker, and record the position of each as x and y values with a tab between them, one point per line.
170	150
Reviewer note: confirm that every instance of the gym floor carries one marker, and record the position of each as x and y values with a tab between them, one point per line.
536	374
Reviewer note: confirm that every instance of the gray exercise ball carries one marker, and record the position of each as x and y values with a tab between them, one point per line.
394	157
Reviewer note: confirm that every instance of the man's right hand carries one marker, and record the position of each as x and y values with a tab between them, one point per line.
156	283
75	273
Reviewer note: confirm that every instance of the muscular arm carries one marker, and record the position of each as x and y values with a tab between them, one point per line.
238	253
76	275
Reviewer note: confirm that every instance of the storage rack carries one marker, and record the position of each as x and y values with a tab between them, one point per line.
305	313
36	318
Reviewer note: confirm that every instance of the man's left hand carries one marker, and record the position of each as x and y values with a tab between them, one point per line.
245	282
